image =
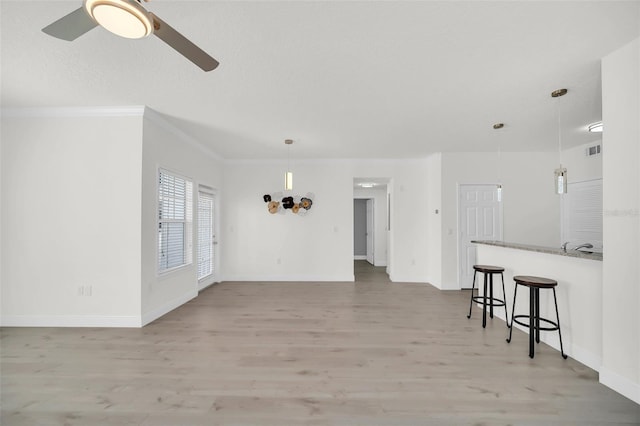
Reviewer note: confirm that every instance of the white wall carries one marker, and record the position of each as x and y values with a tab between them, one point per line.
581	168
260	246
621	198
319	246
434	219
531	208
167	147
71	217
379	195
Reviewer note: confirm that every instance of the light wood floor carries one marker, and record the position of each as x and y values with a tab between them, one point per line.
365	353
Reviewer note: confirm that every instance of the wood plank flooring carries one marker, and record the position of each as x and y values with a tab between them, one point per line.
365	353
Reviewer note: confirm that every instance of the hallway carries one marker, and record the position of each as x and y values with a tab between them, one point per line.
366	272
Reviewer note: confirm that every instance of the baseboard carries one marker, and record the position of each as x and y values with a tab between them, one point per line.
576	352
156	313
620	384
301	278
70	321
358	257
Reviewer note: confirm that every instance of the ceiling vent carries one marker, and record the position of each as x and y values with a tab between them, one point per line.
593	150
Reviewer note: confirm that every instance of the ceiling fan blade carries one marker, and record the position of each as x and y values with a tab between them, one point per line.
71	26
184	46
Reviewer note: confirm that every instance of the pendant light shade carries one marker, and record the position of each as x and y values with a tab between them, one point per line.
288	181
560	180
288	176
560	174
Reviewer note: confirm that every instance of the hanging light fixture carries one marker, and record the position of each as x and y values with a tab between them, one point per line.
560	174
288	176
498	126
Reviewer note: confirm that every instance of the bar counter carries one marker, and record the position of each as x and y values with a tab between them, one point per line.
541	249
579	277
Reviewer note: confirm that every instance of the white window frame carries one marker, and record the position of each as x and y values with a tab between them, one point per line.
205	191
187	221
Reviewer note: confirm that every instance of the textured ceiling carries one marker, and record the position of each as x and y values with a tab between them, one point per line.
344	79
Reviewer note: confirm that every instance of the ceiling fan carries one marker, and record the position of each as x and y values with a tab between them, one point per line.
126	18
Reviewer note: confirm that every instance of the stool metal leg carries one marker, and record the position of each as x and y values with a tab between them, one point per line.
484	302
491	294
515	292
532	330
473	286
504	295
555	301
537	290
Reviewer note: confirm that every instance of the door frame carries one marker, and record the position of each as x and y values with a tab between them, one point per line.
371	220
459	186
215	275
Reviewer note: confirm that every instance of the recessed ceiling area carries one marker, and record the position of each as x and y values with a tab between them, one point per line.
344	79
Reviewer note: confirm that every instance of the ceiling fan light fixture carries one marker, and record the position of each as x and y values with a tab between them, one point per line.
596	127
126	18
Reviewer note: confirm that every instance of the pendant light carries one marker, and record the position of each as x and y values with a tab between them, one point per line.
288	176
499	126
560	174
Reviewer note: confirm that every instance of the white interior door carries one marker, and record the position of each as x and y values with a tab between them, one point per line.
479	218
370	232
206	237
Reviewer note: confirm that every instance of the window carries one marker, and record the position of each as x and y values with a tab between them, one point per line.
174	221
205	233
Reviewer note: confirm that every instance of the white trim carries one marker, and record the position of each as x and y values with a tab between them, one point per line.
156	118
74	112
620	384
574	351
71	321
407	279
156	313
301	278
206	282
359	257
355	161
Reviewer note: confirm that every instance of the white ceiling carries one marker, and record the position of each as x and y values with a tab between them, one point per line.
344	79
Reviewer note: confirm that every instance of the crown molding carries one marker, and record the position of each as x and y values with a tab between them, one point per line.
157	118
74	112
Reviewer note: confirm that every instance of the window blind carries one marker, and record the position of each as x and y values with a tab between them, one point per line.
174	221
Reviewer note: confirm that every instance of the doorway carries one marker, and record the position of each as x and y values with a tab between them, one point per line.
371	233
363	230
479	218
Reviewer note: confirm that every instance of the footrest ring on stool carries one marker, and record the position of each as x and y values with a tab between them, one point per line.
553	328
490	301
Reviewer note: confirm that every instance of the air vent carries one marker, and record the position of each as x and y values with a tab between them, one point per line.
592	150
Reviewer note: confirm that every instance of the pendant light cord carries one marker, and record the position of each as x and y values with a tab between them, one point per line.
559	132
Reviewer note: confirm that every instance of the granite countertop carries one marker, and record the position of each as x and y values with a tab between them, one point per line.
540	249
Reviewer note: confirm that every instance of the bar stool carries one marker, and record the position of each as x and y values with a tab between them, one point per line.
535	284
490	301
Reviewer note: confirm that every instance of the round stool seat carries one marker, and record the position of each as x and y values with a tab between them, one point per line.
488	269
538	282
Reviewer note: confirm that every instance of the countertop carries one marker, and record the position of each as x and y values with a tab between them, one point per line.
541	249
